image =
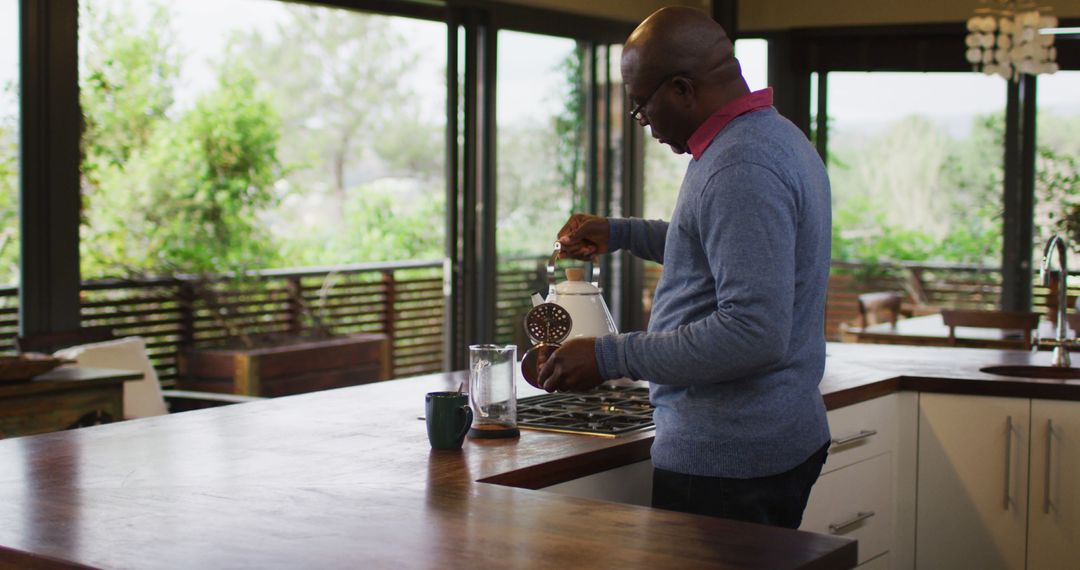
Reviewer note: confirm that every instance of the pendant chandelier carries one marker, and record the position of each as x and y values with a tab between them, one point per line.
1004	39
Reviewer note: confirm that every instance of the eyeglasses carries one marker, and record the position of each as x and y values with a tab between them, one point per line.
639	109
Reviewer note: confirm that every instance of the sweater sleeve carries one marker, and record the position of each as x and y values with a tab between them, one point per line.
643	238
746	220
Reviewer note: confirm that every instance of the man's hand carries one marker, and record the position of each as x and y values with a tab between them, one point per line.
572	368
584	236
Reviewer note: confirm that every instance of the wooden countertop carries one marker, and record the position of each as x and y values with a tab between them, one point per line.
858	372
345	478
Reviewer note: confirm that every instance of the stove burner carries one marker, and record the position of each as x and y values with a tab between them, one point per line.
607	411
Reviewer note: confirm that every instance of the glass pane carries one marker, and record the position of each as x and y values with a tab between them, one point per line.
541	162
915	161
1057	166
9	146
225	134
618	118
753	56
664	169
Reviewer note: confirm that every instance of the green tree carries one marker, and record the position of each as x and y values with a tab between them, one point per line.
354	137
335	79
380	226
9	207
915	193
129	71
1057	181
569	126
183	194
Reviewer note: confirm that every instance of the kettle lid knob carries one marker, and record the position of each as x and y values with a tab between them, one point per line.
575	274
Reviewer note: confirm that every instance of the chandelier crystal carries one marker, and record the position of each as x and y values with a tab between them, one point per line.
1003	39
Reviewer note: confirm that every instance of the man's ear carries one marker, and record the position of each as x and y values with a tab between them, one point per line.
684	87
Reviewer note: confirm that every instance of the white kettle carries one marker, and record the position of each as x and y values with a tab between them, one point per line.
582	300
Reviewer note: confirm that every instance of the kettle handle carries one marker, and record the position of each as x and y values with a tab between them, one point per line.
595	269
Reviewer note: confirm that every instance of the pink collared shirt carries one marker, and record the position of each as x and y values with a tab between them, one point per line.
704	135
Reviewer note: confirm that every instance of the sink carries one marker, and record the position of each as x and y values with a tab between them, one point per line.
1055	372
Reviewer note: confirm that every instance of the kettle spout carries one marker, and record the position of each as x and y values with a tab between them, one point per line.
537	299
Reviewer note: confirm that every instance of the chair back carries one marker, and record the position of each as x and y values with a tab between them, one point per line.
1073	321
53	341
1022	321
879	307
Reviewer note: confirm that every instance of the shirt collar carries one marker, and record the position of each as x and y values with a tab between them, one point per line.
704	135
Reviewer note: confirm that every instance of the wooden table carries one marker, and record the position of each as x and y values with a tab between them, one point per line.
61	398
346	479
930	330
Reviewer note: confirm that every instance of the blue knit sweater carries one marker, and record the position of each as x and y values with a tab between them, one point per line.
736	347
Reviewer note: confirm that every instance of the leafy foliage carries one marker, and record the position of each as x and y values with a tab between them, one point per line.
915	193
569	126
365	165
541	176
1057	208
9	207
178	195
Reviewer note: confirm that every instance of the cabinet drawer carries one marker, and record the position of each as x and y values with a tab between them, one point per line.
855	502
861	431
879	563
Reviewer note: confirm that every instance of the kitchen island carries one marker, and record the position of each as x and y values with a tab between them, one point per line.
345	478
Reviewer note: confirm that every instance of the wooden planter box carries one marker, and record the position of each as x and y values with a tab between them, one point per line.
295	368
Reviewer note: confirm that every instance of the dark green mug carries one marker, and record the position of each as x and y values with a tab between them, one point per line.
449	418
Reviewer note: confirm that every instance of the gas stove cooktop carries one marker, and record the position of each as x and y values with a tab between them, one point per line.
606	411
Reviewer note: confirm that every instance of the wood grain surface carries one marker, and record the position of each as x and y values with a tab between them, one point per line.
346	479
60	398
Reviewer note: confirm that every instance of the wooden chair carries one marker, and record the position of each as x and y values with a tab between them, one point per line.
1073	321
880	307
1024	322
174	400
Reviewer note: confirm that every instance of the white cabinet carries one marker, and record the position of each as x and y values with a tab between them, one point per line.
631	484
882	562
998	483
1054	509
866	489
972	482
855	501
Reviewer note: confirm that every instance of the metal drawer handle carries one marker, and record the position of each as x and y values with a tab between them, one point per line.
1049	465
863	434
1008	461
838	528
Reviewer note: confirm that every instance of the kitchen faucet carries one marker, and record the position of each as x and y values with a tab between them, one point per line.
1061	344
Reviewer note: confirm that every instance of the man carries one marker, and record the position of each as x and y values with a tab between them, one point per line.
735	348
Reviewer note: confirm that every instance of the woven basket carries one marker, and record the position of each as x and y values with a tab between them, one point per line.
26	366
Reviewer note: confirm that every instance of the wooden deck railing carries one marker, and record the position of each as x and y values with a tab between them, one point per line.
927	286
405	301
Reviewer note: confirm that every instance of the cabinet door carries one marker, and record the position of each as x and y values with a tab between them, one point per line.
972	482
855	502
630	484
1054	514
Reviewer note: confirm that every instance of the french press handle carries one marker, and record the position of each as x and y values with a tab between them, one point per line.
555	257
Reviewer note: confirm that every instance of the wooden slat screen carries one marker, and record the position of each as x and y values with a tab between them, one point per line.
405	301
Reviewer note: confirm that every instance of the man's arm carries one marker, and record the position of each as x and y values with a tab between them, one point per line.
747	229
643	238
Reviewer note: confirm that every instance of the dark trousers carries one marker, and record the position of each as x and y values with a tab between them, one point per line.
777	500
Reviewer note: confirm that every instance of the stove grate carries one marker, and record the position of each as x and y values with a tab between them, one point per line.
607	411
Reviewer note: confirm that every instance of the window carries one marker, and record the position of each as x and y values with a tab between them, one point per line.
9	144
915	161
227	134
664	169
541	177
1057	163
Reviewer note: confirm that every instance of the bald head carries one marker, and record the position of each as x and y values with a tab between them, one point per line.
681	40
